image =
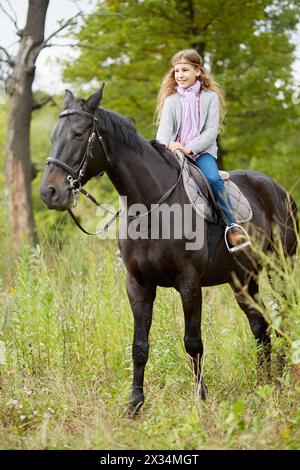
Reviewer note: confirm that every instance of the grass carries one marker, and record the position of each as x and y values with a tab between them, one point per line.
66	370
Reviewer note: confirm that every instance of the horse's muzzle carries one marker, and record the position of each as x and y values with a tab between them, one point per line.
54	197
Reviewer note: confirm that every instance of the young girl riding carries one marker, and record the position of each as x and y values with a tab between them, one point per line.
189	107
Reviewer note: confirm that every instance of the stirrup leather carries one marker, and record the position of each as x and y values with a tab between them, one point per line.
238	247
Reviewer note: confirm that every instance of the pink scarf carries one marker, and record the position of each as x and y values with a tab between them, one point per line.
190	116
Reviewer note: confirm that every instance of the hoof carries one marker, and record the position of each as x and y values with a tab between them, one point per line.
135	405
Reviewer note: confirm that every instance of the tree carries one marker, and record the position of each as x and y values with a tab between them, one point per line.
18	73
245	44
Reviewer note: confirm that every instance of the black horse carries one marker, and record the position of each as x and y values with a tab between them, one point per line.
89	140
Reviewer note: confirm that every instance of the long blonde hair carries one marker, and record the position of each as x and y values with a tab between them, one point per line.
168	84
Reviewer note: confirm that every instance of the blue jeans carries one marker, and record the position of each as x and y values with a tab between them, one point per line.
208	165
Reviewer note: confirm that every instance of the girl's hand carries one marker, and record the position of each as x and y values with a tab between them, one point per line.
178	146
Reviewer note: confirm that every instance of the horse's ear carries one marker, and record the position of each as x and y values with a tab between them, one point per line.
94	100
68	99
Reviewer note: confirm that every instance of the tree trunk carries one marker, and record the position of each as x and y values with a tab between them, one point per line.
20	102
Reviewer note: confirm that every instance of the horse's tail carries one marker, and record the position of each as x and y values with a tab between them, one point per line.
286	220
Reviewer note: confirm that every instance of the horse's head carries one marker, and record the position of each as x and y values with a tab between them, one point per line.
78	152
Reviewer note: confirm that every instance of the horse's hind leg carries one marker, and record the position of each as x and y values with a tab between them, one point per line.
191	298
141	299
247	297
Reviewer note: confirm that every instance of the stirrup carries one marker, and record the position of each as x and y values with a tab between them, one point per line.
238	247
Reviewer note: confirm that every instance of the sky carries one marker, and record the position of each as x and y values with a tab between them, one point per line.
48	76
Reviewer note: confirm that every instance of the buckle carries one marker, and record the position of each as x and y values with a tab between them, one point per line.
74	184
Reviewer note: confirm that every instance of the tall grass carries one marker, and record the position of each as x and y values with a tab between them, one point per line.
65	362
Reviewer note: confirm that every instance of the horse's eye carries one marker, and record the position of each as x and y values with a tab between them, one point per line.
77	135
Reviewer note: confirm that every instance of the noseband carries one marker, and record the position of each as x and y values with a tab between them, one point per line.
74	177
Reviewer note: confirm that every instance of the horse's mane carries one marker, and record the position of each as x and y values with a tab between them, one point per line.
165	153
122	129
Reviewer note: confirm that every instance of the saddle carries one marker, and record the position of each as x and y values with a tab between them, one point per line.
200	195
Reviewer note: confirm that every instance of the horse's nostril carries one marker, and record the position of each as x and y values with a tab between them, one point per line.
51	194
48	193
52	191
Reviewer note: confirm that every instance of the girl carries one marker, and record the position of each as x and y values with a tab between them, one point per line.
188	116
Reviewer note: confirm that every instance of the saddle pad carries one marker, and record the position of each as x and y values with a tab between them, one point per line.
242	211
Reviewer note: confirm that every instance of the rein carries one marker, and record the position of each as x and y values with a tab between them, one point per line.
75	178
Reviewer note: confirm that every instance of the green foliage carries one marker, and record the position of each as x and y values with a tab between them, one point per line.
247	47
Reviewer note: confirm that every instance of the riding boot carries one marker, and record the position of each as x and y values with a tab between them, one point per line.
236	238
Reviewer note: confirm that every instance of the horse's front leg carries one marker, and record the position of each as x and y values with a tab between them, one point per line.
191	298
141	300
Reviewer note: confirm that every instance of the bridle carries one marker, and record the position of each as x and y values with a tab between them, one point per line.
75	177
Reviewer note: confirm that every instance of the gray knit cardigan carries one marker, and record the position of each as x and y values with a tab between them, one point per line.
209	123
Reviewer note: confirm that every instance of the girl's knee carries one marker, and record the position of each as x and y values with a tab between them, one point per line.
215	181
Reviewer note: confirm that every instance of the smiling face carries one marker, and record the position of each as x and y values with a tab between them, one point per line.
186	74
